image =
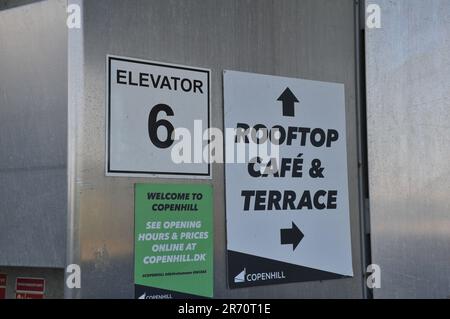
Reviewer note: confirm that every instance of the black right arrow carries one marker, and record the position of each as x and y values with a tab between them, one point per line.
288	98
291	236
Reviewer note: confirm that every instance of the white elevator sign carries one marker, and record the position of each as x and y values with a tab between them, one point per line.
287	217
147	102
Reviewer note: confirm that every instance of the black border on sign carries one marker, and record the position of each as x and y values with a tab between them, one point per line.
110	58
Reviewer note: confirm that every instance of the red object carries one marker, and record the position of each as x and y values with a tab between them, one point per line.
21	295
2	280
30	284
3	286
30	288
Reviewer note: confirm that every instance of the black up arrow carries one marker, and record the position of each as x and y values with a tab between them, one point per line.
288	98
291	236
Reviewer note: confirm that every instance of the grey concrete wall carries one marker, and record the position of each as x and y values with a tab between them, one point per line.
311	39
408	114
33	134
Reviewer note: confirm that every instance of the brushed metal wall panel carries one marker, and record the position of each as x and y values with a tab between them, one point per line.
408	113
33	133
311	39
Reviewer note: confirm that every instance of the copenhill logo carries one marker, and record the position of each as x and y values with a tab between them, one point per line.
240	277
259	276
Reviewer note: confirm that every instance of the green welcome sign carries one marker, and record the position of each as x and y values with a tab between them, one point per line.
173	241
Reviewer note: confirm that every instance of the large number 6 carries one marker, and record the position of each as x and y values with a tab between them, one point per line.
153	126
